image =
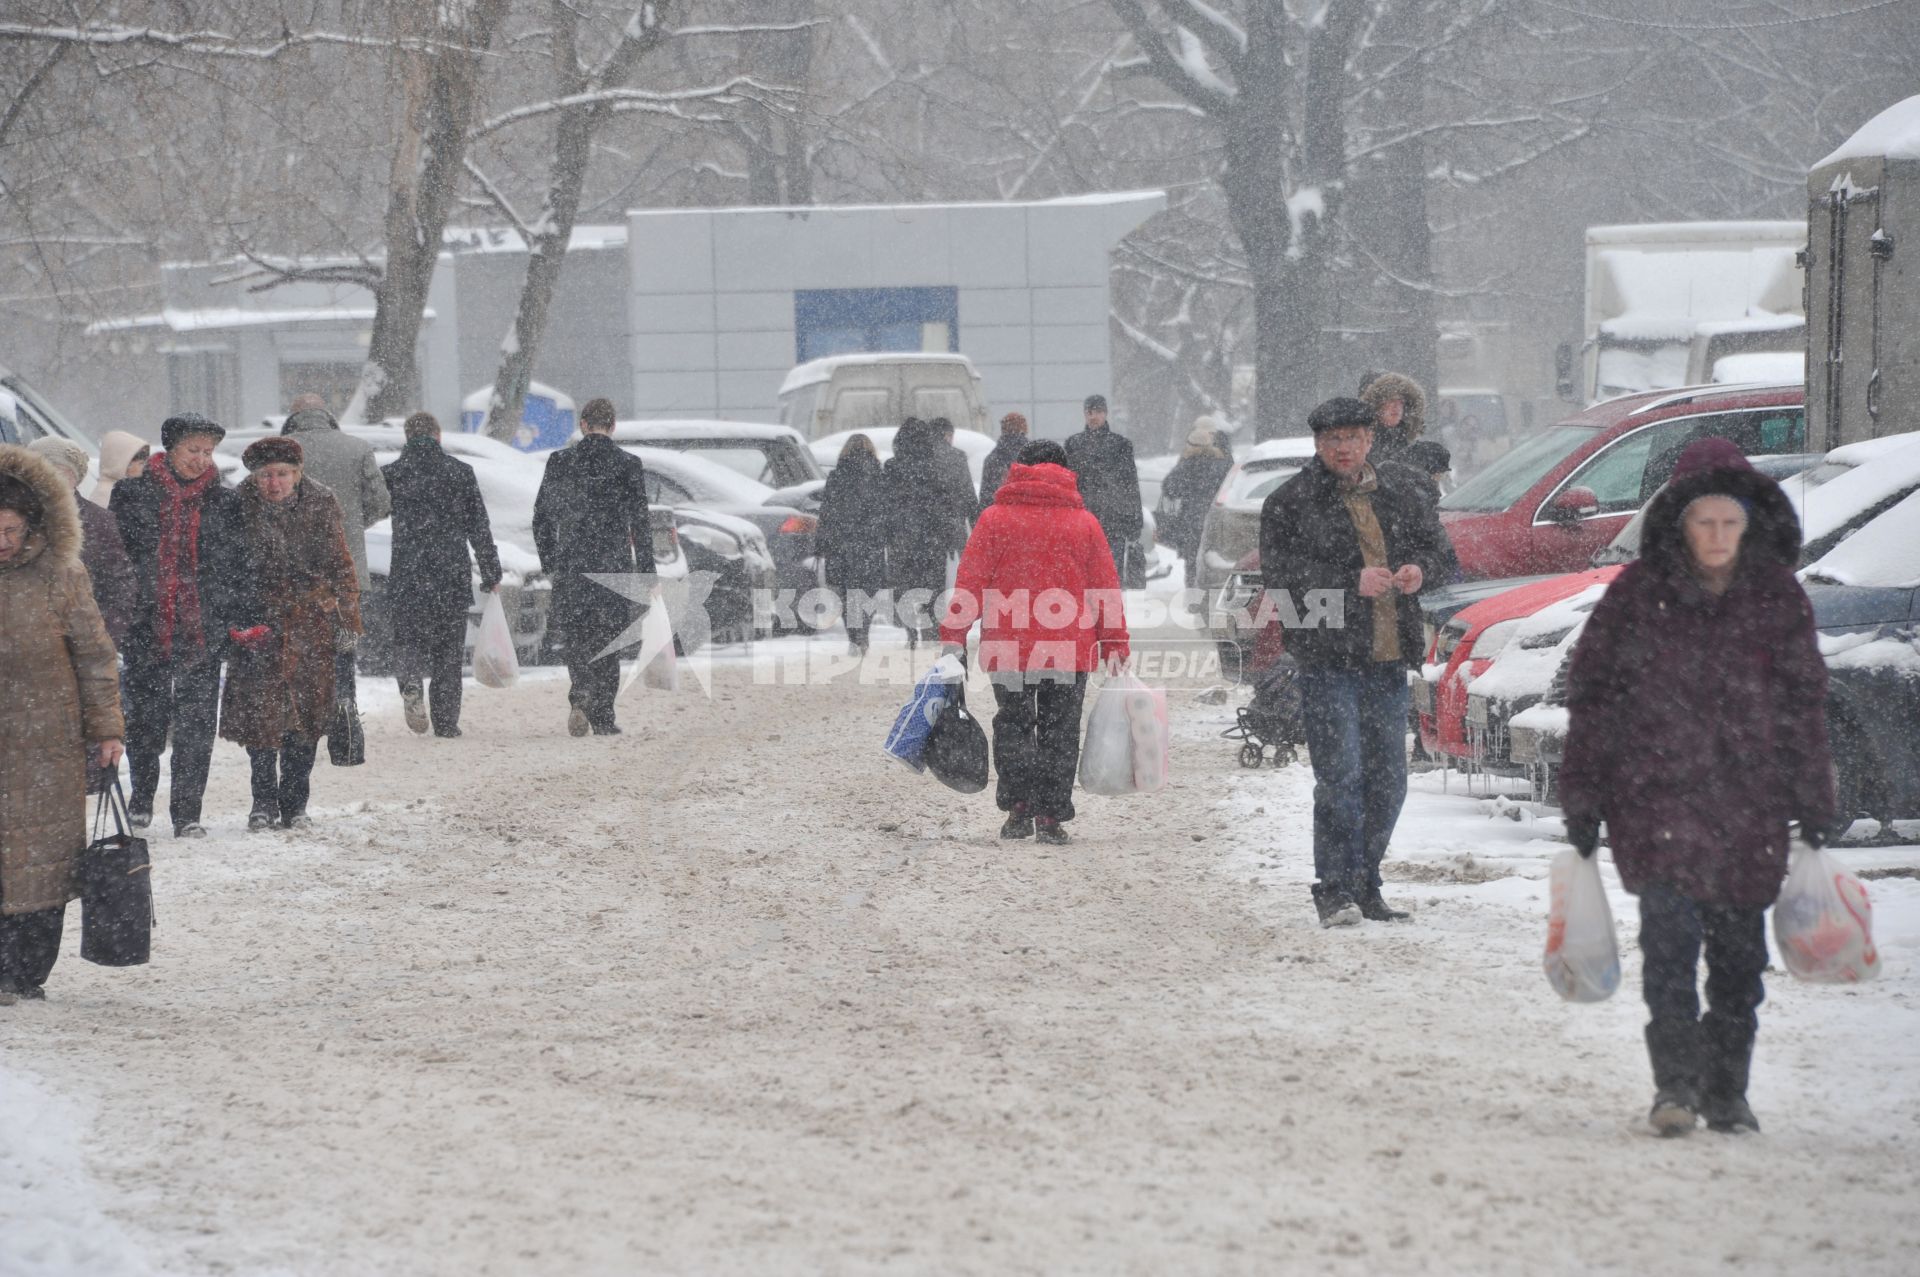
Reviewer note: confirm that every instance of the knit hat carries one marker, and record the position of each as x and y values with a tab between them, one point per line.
64	453
1094	402
1341	411
1428	457
272	450
174	429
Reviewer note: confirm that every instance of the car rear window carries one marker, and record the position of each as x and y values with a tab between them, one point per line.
1508	479
1255	480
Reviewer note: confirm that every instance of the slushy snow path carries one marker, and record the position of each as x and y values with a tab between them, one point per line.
732	993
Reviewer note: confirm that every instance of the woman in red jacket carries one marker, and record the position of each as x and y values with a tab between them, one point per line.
1038	575
1699	730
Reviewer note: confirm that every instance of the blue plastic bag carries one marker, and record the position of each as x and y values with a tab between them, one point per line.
908	739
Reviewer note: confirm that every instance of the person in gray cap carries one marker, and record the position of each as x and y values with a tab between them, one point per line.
170	520
344	465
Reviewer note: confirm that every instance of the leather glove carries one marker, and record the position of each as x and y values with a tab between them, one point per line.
1584	833
253	638
1813	833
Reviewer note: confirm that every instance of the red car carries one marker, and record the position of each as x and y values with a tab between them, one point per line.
1467	644
1547	505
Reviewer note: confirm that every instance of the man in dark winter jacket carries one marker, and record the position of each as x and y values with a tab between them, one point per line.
343	464
437	515
1109	483
171	520
1006	450
1344	547
591	516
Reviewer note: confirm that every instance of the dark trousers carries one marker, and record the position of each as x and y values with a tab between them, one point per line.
282	778
1693	1054
181	700
593	686
436	655
29	944
1036	741
1355	723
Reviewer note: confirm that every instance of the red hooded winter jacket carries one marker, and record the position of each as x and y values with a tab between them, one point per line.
1038	574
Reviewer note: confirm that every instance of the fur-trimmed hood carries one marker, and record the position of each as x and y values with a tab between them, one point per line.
59	537
1714	467
1391	385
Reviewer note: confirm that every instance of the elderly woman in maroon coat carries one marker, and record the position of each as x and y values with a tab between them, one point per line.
1698	702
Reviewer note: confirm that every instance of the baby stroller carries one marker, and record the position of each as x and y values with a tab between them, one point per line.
1272	718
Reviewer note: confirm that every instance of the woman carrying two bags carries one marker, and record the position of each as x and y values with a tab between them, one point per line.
1697	695
294	605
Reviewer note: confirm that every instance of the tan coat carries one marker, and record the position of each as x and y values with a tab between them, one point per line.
300	583
59	690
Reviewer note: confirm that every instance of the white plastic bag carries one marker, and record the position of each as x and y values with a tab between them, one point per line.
1127	743
495	663
1823	921
1583	956
662	673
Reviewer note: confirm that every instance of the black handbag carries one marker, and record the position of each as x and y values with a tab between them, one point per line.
956	751
116	889
346	741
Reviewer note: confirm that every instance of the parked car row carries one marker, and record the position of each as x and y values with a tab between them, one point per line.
1493	692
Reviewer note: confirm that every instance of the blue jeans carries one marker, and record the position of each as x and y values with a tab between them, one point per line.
1356	729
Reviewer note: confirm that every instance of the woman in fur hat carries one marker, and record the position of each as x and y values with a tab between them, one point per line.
297	606
62	698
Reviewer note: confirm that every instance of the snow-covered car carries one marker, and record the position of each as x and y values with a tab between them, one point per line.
25	415
735	552
686	479
774	455
1863	580
1229	570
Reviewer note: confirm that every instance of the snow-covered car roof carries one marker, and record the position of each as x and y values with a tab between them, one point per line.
701	428
704	480
975	445
818	370
1261	455
1829	507
1885	553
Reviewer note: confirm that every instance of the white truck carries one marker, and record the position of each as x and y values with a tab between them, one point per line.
1681	303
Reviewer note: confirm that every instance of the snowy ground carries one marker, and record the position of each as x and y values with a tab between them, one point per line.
732	993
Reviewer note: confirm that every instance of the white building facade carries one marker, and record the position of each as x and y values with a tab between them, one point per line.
723	302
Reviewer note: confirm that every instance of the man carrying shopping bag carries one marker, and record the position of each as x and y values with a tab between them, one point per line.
1039	576
1345	547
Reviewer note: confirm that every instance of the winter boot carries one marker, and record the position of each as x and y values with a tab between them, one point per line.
1048	830
577	724
140	815
1019	823
1673	1048
261	818
1375	909
414	703
1335	907
190	829
1728	1058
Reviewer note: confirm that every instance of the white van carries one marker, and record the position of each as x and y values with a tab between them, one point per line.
869	391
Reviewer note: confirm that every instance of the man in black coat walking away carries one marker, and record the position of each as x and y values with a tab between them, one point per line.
1344	547
437	515
1110	486
591	516
170	520
1006	451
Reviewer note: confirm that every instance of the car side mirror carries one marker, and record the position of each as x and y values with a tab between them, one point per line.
1572	505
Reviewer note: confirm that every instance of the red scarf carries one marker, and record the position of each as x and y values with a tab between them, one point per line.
176	596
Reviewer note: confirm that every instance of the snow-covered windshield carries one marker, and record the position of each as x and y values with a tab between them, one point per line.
1884	553
1507	480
